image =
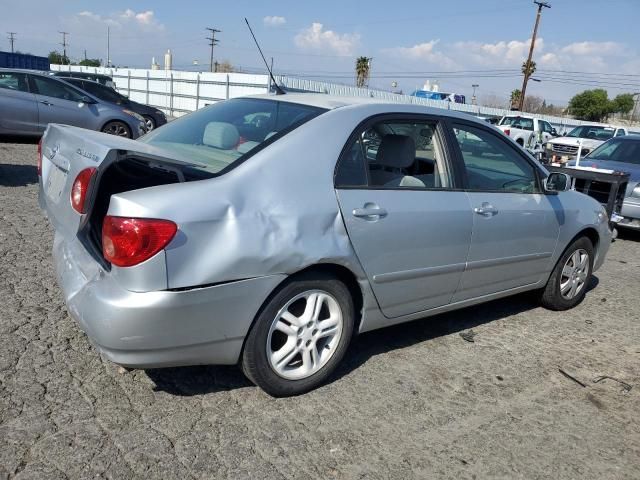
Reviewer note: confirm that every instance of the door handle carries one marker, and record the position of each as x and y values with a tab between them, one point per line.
369	213
486	210
45	102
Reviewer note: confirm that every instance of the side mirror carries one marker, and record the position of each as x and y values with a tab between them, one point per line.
554	132
557	182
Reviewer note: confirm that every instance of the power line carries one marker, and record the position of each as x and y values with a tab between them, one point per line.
11	38
212	42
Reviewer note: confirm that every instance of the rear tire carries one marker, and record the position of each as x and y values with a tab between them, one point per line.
117	128
300	335
571	276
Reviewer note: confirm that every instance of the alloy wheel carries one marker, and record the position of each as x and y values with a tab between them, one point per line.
574	274
117	128
304	335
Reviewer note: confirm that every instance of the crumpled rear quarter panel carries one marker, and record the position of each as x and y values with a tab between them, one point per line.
275	213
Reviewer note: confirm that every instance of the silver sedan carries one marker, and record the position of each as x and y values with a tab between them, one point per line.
267	231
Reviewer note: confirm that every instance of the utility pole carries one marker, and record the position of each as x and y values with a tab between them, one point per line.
541	5
212	42
11	38
64	46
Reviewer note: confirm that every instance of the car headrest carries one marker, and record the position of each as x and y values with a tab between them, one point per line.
220	135
397	151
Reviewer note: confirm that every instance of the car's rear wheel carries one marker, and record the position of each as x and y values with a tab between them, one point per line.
570	278
300	335
149	123
117	128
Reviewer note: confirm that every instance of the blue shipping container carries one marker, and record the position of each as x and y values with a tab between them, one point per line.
21	60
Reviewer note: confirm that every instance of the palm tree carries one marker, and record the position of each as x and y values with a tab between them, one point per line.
362	71
528	70
515	97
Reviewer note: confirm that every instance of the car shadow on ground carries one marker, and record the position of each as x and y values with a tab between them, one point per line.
17	175
629	234
200	380
19	139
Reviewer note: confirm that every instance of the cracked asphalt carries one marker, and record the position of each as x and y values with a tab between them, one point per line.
411	401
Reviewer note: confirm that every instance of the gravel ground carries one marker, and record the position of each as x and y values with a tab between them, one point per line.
412	401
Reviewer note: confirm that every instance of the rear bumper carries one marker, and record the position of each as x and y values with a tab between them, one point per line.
160	328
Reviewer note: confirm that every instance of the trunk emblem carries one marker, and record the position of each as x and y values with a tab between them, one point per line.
89	155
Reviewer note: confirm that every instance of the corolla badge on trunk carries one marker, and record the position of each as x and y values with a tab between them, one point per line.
89	155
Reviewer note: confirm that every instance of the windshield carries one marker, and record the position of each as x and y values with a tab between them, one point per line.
215	137
518	122
625	151
592	132
103	93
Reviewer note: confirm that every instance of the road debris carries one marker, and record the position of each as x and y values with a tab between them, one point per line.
626	388
468	336
571	377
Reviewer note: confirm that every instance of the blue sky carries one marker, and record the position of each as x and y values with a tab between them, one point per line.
485	42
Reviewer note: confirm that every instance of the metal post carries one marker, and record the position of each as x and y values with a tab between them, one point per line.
147	90
171	95
128	83
227	87
198	91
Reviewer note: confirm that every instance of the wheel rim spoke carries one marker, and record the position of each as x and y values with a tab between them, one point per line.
285	354
285	328
291	318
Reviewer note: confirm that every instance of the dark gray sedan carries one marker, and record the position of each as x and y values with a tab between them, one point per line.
29	101
621	154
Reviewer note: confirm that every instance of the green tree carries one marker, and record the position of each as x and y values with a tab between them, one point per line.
362	71
515	98
623	103
90	62
57	58
592	105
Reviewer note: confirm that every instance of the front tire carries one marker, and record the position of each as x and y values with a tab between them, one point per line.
117	128
149	123
570	278
300	336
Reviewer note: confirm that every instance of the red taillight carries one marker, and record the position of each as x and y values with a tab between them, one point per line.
130	241
80	188
507	132
40	158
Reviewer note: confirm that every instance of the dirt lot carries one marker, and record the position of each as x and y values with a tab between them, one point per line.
413	401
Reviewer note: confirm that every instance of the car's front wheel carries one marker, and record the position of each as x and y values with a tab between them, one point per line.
300	335
117	128
149	123
570	278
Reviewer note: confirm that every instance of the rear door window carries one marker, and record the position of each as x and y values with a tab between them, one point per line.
14	81
55	88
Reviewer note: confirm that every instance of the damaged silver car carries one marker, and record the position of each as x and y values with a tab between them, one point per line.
267	231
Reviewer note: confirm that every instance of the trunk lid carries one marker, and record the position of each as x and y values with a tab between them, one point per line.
66	151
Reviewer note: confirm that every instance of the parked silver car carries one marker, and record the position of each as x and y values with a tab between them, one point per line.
29	101
268	230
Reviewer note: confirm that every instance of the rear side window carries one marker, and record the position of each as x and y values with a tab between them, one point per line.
394	155
493	165
218	136
14	81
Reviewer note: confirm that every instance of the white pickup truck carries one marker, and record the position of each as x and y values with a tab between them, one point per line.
564	149
526	131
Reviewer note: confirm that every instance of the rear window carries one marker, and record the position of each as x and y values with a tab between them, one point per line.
218	136
592	132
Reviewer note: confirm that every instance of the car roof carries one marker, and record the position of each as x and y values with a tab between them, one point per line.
332	102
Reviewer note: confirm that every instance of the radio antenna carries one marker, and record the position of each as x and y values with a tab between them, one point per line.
279	90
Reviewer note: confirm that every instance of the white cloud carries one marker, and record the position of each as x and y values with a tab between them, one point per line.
274	21
593	48
425	51
317	38
128	18
500	53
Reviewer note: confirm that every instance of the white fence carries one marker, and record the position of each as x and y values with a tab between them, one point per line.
179	92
